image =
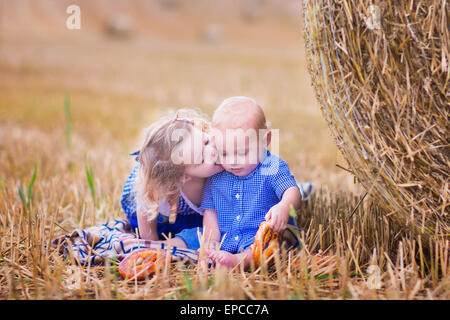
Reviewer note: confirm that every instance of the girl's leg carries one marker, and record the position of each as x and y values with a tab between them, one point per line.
187	238
174	242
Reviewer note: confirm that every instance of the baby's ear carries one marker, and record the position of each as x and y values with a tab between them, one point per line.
268	137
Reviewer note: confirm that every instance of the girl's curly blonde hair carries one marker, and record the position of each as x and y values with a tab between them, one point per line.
159	178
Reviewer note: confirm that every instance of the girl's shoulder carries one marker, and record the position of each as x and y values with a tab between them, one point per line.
136	154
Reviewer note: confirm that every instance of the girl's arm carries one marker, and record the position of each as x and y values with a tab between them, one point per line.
147	229
211	228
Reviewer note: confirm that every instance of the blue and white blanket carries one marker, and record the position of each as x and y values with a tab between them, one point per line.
112	240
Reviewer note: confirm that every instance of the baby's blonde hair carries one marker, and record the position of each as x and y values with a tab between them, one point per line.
236	110
159	177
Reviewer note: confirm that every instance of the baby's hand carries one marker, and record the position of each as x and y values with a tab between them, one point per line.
213	245
279	216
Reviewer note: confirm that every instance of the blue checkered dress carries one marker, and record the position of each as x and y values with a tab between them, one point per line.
241	203
188	215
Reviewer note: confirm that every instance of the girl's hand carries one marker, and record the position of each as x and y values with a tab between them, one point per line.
278	217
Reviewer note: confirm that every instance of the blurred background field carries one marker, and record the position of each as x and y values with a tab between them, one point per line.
161	56
72	100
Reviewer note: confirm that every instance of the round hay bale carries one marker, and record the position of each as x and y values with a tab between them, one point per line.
212	34
381	75
119	26
170	4
252	10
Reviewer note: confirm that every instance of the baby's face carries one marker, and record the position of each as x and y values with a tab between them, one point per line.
239	150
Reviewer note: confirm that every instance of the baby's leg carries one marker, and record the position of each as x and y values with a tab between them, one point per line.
223	258
229	260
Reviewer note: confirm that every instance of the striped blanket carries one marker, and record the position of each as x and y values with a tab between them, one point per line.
112	240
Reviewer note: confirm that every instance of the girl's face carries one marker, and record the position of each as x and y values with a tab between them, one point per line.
204	160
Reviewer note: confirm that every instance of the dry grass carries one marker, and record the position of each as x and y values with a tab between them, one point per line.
115	90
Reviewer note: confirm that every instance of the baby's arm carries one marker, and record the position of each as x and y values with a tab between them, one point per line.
147	229
286	189
292	196
279	213
211	228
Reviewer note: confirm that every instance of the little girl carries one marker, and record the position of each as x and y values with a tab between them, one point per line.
162	195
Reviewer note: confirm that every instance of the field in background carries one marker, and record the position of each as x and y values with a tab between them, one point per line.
114	84
119	85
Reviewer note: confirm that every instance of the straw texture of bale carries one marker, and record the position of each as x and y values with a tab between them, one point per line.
381	75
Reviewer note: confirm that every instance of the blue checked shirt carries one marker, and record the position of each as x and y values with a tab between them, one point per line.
241	203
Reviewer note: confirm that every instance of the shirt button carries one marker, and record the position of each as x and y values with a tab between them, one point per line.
237	196
236	238
238	218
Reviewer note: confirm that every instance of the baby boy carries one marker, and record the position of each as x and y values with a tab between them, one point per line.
255	185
